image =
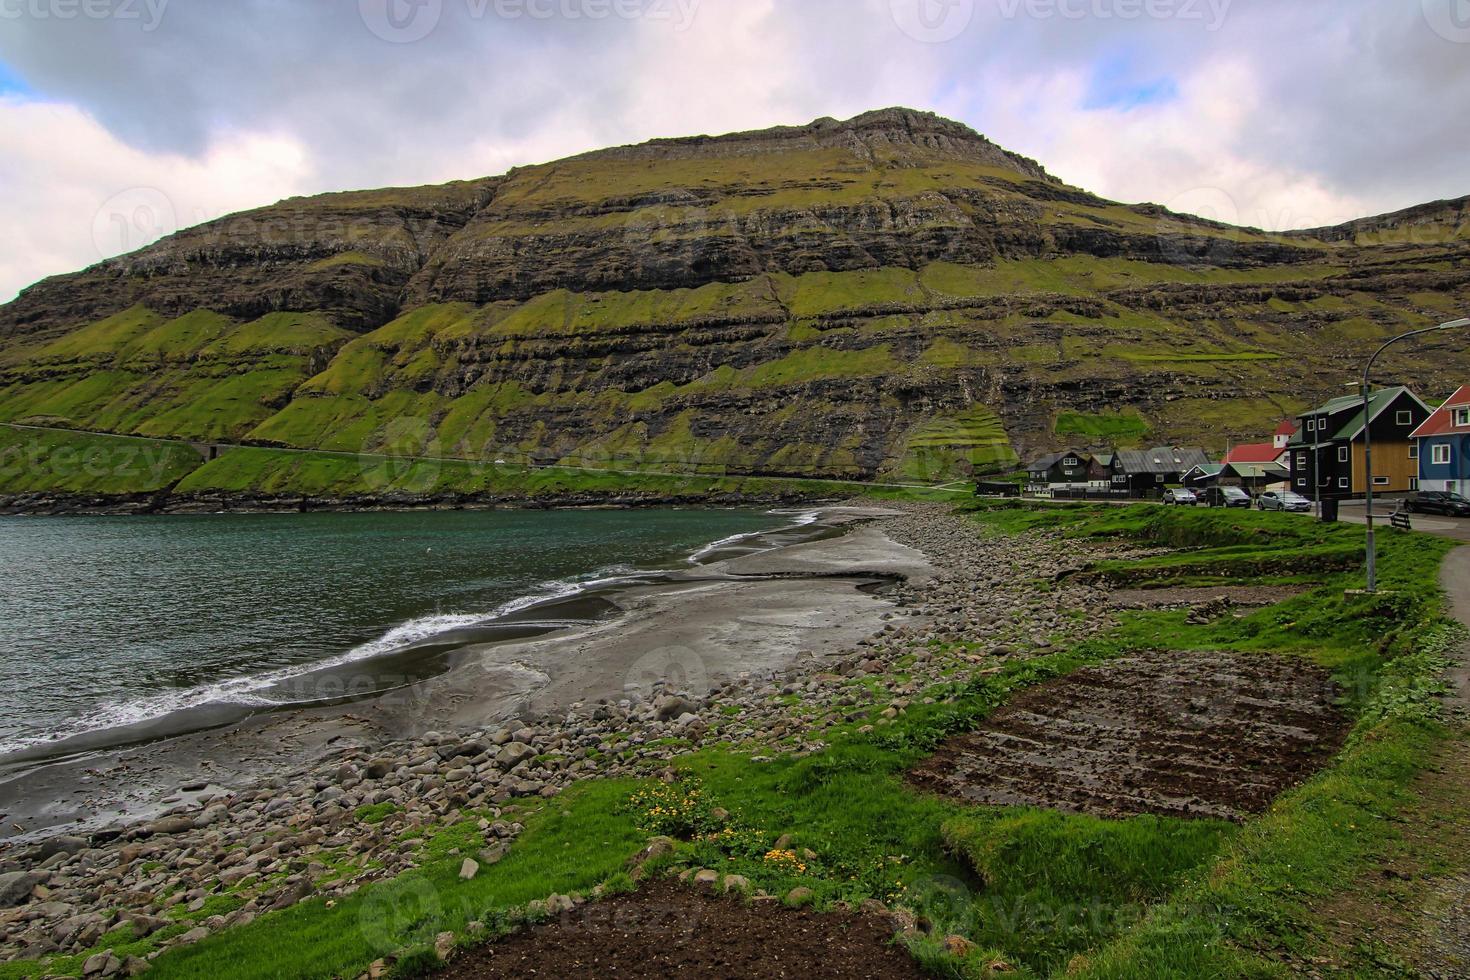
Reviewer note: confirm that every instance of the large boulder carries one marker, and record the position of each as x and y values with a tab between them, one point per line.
514	754
15	887
672	706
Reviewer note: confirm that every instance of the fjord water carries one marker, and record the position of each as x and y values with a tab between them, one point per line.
111	621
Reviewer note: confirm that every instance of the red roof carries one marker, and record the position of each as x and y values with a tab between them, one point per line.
1254	452
1442	422
1287	428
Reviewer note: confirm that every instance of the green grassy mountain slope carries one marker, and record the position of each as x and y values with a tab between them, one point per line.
890	296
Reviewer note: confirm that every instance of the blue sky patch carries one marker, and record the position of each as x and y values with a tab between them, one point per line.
1117	83
10	82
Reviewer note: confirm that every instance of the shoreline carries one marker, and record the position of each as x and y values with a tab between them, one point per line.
348	677
163	503
584	646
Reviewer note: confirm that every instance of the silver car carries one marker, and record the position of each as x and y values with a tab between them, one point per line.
1179	495
1283	500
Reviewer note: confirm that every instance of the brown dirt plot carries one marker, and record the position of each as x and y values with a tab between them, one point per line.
1181	734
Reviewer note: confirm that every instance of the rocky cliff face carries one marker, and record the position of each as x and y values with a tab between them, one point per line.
889	295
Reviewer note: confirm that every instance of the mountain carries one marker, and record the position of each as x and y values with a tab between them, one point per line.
889	296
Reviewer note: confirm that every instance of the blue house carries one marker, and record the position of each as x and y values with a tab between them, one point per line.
1443	443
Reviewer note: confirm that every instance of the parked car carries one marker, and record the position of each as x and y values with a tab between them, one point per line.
1283	500
1225	497
1438	502
1179	495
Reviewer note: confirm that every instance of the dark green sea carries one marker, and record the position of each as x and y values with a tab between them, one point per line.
108	622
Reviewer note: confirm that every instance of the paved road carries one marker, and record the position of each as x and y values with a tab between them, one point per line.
1457	528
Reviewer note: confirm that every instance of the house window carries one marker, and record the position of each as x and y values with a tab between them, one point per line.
1442	453
1413	483
1342	482
1406	418
1462	416
1301	483
1413	450
1311	425
1069	461
1342	454
1301	459
1380	481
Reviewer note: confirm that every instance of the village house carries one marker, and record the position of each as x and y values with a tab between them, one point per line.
1442	443
1326	453
1146	472
1071	469
1253	477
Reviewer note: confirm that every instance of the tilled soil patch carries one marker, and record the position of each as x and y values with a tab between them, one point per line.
669	930
1180	734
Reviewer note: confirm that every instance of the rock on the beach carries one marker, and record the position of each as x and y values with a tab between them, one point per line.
292	894
102	964
59	845
171	825
514	754
673	706
195	935
16	886
211	816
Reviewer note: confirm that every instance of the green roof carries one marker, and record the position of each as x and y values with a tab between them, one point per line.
1377	402
1253	471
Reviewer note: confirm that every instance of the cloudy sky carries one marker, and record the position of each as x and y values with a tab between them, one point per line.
124	119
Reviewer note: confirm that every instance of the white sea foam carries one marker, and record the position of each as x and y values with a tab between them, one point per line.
799	519
247	691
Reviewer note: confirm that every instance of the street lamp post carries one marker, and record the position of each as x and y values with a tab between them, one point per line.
1368	440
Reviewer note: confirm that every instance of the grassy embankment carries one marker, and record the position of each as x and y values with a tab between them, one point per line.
1045	892
65	462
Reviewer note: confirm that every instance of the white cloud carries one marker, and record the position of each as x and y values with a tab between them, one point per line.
80	195
1193	153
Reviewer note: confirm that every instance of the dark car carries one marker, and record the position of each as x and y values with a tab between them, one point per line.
1438	502
1225	497
1283	500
